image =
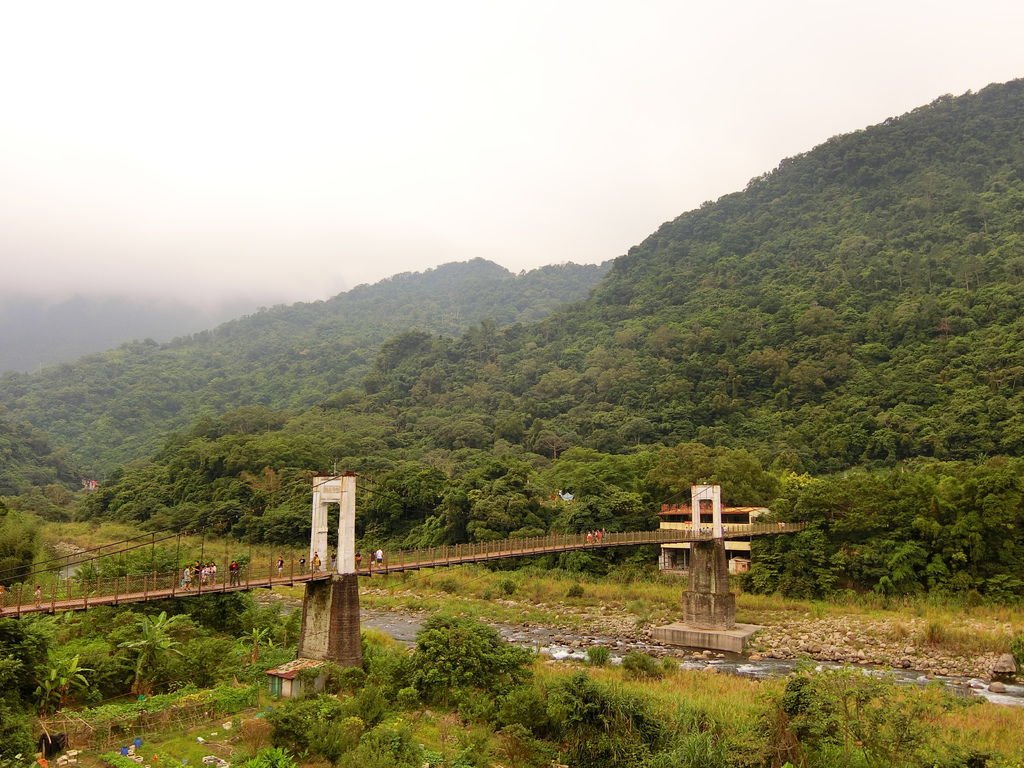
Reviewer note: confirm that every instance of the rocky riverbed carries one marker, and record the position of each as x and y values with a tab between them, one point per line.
898	644
849	639
857	640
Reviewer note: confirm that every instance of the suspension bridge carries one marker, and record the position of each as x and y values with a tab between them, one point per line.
330	610
76	593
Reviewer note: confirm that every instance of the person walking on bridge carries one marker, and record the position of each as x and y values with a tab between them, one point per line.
233	573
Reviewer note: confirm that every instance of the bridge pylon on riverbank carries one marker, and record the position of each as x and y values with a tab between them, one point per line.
709	608
330	608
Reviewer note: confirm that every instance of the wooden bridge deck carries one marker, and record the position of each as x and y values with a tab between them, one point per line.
74	594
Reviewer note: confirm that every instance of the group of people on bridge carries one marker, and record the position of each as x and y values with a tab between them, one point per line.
206	574
375	557
596	536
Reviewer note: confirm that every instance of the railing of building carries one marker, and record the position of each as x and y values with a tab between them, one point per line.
75	593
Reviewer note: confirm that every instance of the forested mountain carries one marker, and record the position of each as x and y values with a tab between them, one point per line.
118	405
862	303
36	333
858	309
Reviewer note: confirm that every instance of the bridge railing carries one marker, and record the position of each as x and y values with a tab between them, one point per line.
455	554
79	592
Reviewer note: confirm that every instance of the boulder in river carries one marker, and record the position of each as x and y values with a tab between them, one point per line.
1005	667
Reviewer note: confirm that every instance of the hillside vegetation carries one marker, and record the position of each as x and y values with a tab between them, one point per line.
28	460
861	304
117	406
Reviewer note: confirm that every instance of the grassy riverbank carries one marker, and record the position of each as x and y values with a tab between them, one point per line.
732	718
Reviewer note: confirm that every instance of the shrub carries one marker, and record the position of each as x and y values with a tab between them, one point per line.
294	721
343	679
408	698
848	718
369	705
255	734
273	757
455	653
474	749
475	706
390	668
640	666
448	585
525	705
518	747
601	726
331	739
576	590
1017	649
507	586
386	746
598	655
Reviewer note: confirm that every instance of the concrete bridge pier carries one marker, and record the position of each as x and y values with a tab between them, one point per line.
330	609
330	621
709	608
708	603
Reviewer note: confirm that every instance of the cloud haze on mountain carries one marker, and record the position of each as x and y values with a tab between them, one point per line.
284	153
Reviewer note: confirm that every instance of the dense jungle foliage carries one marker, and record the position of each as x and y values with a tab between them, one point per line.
116	406
224	643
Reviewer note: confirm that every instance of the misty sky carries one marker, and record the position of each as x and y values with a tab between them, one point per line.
287	151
